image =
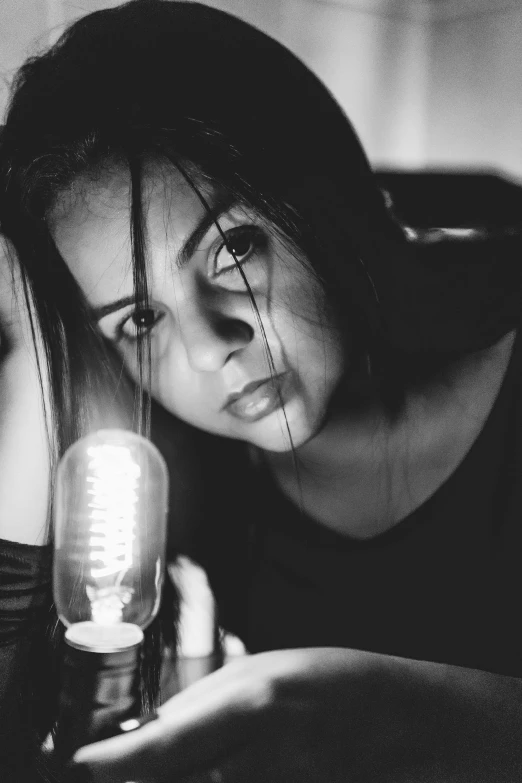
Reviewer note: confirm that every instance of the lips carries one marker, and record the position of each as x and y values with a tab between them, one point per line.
257	399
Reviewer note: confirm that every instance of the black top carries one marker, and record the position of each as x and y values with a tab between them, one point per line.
25	575
445	584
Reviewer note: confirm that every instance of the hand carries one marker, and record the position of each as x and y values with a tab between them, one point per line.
15	325
325	716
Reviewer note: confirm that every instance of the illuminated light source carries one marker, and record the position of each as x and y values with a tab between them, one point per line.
110	535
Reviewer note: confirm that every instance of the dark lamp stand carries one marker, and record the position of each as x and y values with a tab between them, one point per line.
99	691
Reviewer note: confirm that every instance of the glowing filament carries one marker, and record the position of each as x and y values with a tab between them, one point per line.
113	480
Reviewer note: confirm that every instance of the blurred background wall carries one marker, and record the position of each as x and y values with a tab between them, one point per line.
426	82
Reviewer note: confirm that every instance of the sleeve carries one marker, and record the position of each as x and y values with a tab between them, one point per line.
25	576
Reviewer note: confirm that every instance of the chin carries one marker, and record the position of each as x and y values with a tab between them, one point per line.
273	433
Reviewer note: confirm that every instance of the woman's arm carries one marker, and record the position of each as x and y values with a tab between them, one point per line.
25	680
24	444
326	716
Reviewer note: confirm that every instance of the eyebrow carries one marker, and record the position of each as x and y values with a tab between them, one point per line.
223	203
97	313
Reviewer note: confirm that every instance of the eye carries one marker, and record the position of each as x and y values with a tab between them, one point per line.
139	323
241	243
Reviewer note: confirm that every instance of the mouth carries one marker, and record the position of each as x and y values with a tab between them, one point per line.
258	398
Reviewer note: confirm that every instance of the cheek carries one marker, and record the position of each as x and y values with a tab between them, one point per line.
293	290
300	319
175	386
169	384
172	383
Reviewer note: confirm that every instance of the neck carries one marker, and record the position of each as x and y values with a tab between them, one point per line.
369	463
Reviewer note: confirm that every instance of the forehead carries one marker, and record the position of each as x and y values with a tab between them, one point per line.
92	230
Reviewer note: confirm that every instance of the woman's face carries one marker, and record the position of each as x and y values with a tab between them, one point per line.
210	365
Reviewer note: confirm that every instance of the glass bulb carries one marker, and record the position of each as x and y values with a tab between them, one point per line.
110	535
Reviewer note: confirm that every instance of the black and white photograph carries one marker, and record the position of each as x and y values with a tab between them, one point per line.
260	391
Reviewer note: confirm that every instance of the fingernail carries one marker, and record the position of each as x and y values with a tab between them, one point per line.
78	773
136	723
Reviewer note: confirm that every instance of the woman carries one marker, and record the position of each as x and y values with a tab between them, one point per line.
358	517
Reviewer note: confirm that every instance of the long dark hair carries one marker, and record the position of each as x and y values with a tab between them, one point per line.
227	105
230	107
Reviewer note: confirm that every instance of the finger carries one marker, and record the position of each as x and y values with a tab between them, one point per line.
211	718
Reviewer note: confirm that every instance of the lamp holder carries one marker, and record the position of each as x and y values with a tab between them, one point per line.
100	689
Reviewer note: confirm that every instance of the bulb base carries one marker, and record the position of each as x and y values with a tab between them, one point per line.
93	637
100	689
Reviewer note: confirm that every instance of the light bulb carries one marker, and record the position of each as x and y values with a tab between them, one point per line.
110	530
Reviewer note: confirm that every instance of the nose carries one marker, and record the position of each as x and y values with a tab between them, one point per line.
210	339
